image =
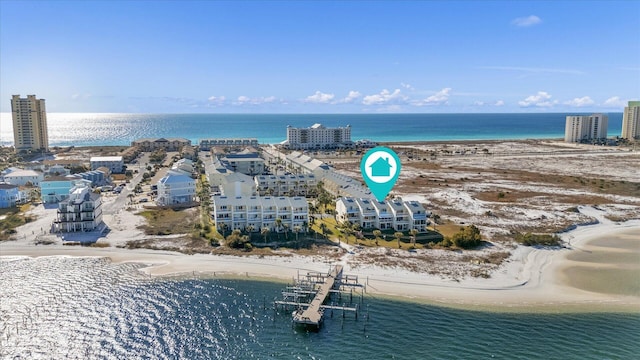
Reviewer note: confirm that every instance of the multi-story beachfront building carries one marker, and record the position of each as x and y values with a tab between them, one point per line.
115	164
82	211
301	163
252	213
631	121
168	144
290	185
580	128
207	144
246	162
29	123
318	137
391	214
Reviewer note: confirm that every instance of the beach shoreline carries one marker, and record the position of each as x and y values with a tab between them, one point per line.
529	283
461	186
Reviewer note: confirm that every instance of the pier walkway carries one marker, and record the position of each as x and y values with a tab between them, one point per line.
312	315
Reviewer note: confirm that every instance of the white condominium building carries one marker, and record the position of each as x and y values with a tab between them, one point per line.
207	144
318	137
631	121
290	185
29	123
585	127
390	214
252	213
115	164
168	144
246	162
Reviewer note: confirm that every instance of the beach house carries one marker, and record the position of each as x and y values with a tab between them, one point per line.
176	189
82	211
22	177
9	195
115	164
54	189
390	214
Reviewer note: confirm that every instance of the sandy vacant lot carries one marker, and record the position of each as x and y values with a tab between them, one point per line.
509	186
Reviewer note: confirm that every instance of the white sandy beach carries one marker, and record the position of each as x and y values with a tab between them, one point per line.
531	279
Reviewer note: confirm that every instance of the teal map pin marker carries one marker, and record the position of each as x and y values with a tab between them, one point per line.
380	169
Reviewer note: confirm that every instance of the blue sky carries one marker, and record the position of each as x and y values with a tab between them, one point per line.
321	57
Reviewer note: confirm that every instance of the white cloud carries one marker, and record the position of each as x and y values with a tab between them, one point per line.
439	98
579	102
319	98
526	21
484	103
353	95
541	99
384	97
615	101
216	99
245	100
407	86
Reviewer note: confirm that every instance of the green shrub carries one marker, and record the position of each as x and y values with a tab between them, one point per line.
530	239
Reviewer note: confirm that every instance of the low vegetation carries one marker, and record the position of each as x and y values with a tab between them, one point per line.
9	224
529	239
168	222
467	237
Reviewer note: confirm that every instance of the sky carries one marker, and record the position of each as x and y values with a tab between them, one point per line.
321	56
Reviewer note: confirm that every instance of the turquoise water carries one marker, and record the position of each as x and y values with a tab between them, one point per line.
121	129
88	308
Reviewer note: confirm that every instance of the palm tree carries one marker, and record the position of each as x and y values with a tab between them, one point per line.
347	228
398	235
286	231
264	232
377	234
435	218
278	224
413	233
250	229
323	228
223	227
296	230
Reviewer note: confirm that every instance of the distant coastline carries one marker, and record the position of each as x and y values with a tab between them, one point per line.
85	129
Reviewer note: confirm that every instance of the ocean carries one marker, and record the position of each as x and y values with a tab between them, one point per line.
90	308
120	129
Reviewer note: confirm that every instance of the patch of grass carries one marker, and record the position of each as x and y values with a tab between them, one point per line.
168	221
9	224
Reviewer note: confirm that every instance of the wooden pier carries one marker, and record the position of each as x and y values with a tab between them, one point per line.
310	292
